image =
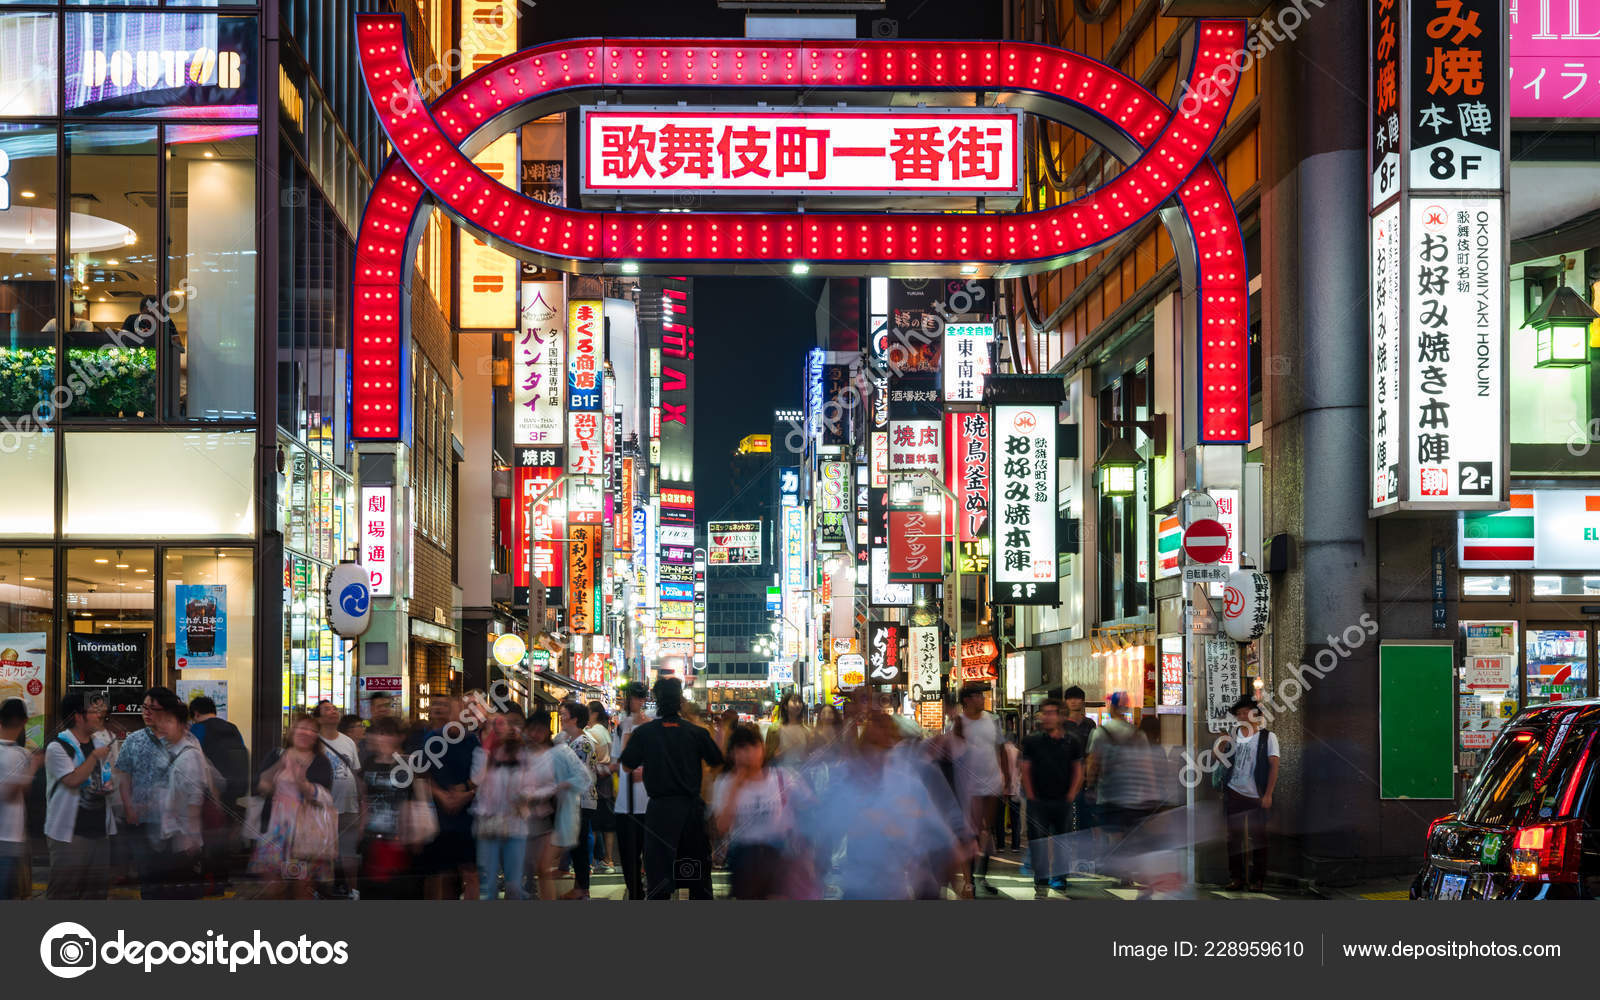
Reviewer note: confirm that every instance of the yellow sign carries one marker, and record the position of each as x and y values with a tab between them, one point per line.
675	628
756	444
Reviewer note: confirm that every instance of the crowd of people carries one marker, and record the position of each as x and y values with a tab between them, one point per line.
858	803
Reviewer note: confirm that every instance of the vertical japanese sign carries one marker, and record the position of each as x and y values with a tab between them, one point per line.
916	552
538	368
923	652
534	557
1023	528
966	361
585	445
583	570
1438	434
971	468
833	507
585	344
1384	357
377	530
885	664
838	411
622	530
794	579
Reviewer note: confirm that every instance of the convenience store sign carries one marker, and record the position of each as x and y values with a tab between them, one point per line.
1543	529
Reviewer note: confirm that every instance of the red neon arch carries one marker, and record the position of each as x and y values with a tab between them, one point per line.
429	161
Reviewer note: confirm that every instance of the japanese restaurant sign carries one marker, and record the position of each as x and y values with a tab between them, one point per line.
885	664
1023	528
914	445
971	469
801	151
922	650
966	361
539	370
1555	64
583	569
1437	431
585	335
916	552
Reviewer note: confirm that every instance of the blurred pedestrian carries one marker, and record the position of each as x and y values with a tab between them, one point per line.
1120	770
386	854
604	825
1052	777
298	848
78	819
142	763
343	758
1076	723
981	771
18	765
789	741
574	716
449	862
633	801
189	786
750	802
561	776
224	748
504	779
1248	780
1008	817
672	752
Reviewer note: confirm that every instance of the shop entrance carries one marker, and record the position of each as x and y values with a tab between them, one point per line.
1556	662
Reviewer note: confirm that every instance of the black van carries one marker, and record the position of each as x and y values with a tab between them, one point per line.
1529	825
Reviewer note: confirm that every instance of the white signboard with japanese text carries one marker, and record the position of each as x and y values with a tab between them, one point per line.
922	654
377	537
1023	515
1222	681
966	361
1383	356
915	445
1454	321
801	151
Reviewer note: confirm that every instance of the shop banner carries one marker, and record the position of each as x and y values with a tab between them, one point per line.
885	663
1555	66
966	361
1491	673
1023	530
626	513
585	342
734	543
914	446
530	553
1221	656
916	552
583	569
22	675
922	649
971	469
1491	638
201	614
378	538
539	368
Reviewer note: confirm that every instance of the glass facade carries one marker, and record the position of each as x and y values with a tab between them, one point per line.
129	324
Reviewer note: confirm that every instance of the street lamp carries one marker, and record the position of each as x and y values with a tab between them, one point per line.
1116	468
1561	326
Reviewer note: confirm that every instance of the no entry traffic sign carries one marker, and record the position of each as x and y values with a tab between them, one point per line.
1205	541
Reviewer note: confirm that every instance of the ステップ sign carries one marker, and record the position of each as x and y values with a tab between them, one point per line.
788	151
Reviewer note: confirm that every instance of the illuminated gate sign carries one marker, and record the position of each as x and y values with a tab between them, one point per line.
1164	151
801	151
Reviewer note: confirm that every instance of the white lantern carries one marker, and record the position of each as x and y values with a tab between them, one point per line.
349	592
1246	599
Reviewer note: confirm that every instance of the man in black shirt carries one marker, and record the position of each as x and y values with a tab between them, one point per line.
1052	776
671	750
223	745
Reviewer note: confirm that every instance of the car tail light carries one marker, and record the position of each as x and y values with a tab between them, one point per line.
1427	845
1548	852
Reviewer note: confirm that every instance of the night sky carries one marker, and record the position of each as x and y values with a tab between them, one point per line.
750	340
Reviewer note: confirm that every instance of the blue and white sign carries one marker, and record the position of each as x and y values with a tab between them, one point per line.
201	620
349	600
676	591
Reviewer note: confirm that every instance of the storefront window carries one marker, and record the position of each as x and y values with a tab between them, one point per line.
210	628
1558	665
1549	406
1565	585
27	65
205	489
28	468
120	311
318	662
211	247
28	156
1486	586
110	624
27	632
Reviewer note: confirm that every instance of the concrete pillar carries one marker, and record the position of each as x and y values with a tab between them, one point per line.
1314	330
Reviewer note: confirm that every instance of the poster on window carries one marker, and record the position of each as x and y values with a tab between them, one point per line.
22	674
117	662
201	625
217	691
1023	525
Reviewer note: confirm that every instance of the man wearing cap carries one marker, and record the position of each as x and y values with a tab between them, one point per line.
632	799
1249	758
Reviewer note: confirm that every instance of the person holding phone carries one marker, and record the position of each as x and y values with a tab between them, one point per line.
78	820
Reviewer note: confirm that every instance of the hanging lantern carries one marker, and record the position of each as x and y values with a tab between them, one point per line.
1561	327
1116	469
